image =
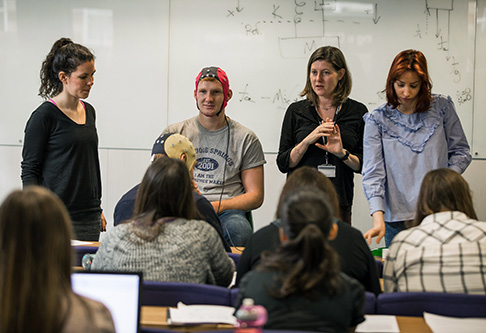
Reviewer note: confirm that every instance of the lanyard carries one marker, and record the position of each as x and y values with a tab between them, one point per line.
323	138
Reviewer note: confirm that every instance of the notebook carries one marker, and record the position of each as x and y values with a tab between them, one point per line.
120	292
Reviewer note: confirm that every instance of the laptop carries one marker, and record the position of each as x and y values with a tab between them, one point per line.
120	292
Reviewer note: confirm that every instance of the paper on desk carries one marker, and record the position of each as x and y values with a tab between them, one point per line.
445	324
201	314
379	323
75	242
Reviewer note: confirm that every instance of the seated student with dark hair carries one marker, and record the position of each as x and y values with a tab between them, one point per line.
300	284
179	147
356	260
445	249
35	269
164	240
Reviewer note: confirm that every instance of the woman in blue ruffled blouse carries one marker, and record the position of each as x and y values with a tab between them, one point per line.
414	132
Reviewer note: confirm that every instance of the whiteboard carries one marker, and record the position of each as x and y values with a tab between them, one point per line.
264	47
148	54
130	43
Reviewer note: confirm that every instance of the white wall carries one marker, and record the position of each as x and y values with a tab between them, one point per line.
122	169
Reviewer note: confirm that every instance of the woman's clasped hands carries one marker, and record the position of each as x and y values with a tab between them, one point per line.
331	132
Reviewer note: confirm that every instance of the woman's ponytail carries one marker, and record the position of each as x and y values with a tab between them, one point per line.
307	261
64	56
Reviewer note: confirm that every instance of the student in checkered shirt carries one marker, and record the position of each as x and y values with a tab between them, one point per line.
445	250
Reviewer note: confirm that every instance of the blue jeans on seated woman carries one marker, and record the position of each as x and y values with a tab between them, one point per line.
236	227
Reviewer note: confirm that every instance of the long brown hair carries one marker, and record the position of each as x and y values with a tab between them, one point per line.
410	60
305	262
336	58
443	190
165	191
35	261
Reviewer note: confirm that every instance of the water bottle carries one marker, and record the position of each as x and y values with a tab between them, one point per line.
250	318
87	261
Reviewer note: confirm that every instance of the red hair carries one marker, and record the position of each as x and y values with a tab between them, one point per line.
410	60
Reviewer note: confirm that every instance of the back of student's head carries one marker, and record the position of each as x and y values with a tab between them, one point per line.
305	258
35	261
308	176
165	191
443	190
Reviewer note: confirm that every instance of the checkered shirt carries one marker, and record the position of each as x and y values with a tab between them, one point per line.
445	253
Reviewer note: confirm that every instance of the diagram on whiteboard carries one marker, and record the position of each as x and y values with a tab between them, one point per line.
265	45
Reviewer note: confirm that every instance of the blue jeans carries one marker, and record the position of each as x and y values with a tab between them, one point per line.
392	229
236	227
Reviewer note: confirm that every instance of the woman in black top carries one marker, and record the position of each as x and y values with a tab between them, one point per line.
300	284
60	142
355	257
325	130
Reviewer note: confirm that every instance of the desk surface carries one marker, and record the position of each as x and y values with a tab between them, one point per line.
156	317
237	250
87	243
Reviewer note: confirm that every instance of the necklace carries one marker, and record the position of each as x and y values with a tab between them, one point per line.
328	108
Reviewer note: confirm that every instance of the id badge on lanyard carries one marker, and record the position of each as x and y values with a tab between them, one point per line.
329	170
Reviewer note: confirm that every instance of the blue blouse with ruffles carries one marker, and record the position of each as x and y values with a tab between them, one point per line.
399	149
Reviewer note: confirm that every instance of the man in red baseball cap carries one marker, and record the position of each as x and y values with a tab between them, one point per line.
230	161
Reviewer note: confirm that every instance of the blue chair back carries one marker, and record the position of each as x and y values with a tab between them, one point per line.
416	303
370	303
234	296
156	293
235	257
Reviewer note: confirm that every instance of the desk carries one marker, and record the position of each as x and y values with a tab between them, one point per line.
156	317
87	243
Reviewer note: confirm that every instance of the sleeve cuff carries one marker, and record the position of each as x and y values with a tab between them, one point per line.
376	204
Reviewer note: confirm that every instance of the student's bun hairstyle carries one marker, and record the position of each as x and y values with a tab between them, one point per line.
307	261
65	56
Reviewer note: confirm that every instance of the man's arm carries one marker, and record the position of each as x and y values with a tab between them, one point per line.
253	182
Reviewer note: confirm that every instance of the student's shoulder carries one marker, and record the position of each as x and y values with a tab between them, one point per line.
299	106
351	233
351	283
180	126
242	131
265	238
197	227
103	321
45	110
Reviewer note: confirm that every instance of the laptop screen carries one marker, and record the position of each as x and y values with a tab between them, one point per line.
120	292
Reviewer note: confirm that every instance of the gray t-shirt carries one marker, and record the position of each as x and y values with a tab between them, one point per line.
221	156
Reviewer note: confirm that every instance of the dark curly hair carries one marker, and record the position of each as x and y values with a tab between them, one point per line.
65	56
